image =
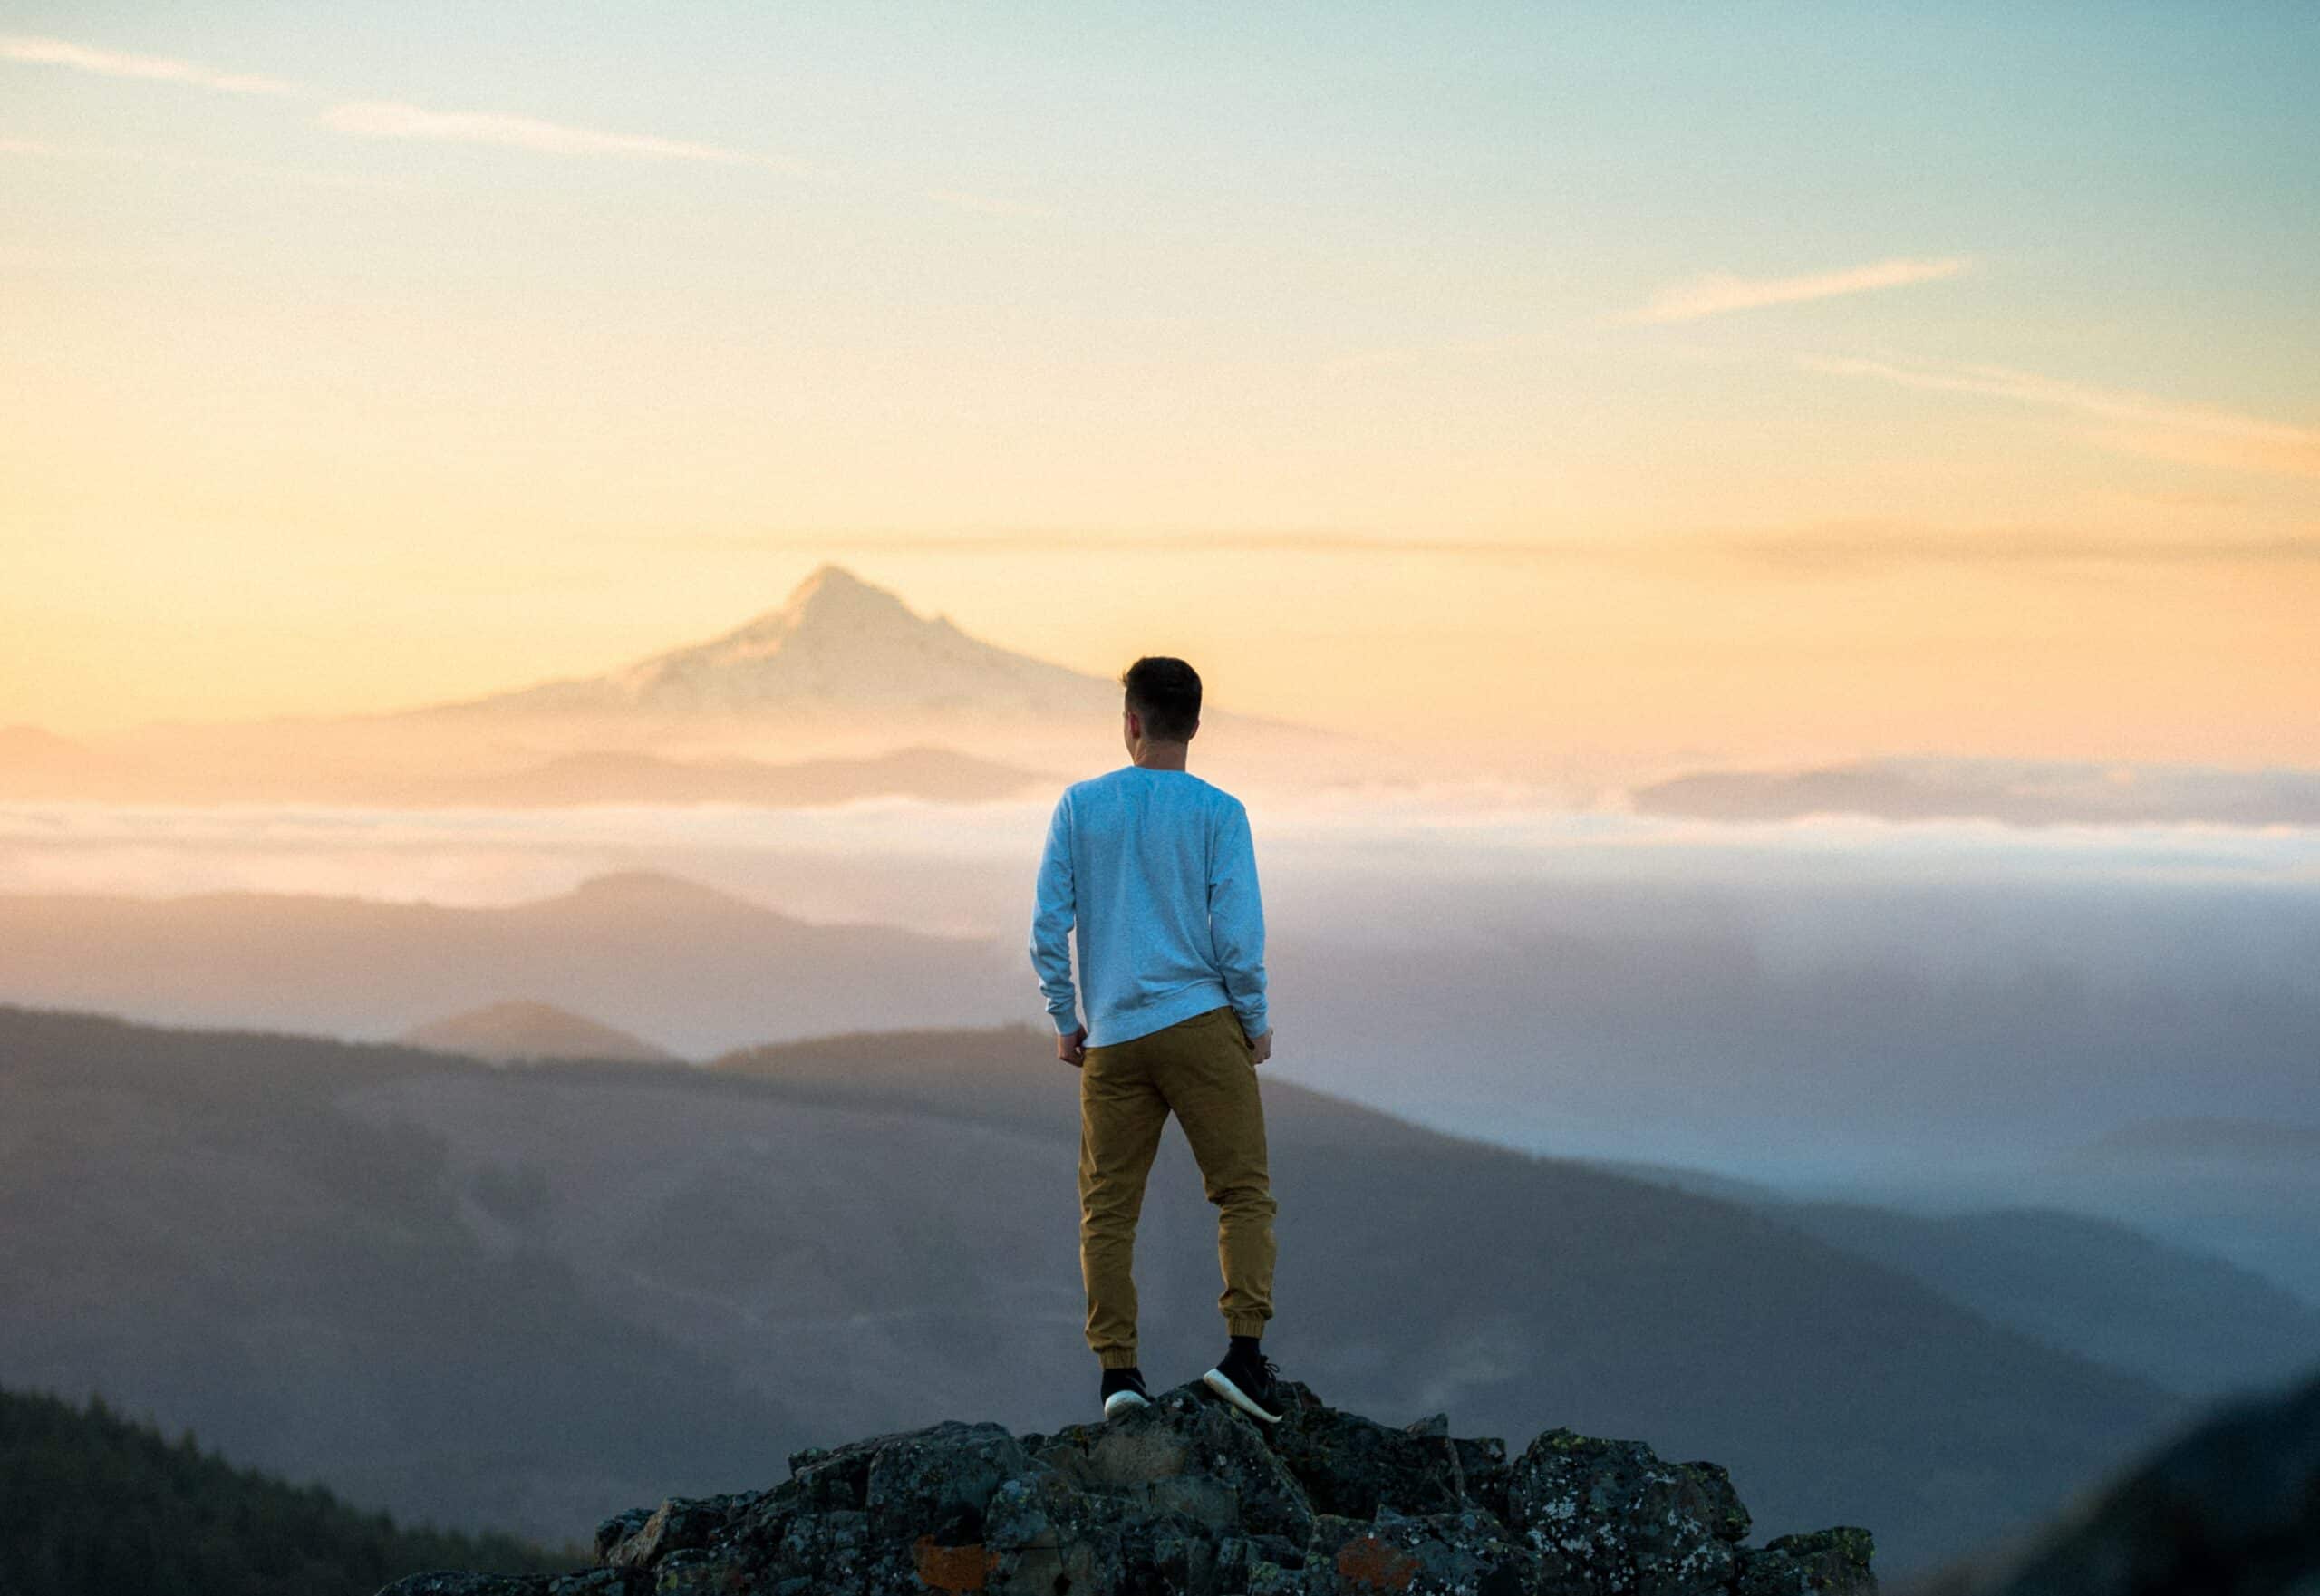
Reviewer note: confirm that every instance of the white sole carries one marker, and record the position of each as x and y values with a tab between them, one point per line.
1119	1402
1214	1380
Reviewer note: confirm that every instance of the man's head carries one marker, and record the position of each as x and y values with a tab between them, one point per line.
1162	700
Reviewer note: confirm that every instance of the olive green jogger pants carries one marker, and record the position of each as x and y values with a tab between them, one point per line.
1203	1070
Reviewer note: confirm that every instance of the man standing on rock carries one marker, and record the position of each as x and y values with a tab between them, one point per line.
1154	868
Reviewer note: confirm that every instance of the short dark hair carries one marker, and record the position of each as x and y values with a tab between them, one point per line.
1164	694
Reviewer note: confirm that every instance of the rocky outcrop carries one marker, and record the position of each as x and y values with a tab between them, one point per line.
1189	1496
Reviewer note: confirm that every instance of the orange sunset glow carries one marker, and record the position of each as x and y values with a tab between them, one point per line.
340	386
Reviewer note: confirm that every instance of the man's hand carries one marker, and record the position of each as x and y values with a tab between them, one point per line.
1261	1048
1071	1047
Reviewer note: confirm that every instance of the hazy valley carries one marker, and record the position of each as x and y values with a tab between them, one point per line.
524	1293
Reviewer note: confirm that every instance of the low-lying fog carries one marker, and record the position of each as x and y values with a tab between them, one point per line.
1938	1012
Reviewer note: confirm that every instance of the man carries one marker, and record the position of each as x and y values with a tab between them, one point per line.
1156	870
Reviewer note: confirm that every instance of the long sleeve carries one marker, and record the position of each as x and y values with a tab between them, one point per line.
1236	920
1051	922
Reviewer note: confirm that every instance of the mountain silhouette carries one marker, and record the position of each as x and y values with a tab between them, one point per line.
696	969
523	1297
521	1031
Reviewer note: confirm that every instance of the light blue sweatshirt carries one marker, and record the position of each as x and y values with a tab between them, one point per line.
1157	872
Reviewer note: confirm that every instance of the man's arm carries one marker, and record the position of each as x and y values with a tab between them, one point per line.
1236	922
1051	922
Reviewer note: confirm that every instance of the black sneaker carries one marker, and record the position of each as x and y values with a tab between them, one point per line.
1124	1389
1245	1378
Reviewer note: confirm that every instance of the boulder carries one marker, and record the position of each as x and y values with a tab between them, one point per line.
1826	1562
1610	1517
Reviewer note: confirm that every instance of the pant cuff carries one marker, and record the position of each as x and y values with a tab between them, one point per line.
1245	1324
1118	1358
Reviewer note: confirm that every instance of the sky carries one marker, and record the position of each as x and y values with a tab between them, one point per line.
1794	383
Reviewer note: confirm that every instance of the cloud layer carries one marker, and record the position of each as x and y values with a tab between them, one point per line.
2019	792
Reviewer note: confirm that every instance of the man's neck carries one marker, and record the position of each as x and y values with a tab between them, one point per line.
1161	756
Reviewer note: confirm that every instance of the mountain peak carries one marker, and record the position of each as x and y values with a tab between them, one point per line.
831	615
840	644
831	601
839	651
640	883
829	576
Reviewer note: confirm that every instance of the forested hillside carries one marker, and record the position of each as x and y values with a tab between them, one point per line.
97	1504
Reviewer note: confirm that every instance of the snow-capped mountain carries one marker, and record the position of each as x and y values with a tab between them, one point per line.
837	643
841	691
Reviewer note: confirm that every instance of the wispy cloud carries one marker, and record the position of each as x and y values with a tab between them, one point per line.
114	63
396	119
2121	419
383	119
1720	294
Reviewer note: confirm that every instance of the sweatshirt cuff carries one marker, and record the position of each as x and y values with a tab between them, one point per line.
1256	1025
1064	1023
